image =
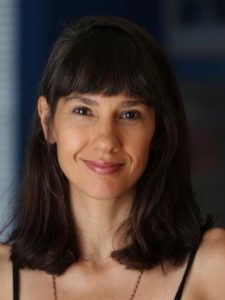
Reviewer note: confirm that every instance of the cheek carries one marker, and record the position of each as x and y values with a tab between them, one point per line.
142	153
140	147
69	142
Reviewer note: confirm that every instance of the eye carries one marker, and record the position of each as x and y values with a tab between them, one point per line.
131	115
83	111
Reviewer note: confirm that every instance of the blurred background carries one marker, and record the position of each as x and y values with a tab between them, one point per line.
193	34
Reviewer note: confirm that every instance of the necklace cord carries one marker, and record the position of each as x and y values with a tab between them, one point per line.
136	285
54	286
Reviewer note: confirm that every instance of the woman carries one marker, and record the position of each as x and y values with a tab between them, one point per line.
106	206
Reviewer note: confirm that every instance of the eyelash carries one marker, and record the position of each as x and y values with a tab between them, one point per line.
84	111
136	115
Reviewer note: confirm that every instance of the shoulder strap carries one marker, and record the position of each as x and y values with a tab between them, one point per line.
189	264
15	282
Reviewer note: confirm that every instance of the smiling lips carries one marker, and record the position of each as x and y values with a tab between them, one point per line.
102	167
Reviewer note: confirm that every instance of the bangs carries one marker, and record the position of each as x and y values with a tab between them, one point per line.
106	60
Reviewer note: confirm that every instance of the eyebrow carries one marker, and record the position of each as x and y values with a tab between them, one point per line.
92	102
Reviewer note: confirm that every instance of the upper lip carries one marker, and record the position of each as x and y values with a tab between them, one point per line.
102	163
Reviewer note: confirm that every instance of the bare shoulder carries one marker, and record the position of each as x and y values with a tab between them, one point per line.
213	245
4	256
4	251
210	265
5	272
217	234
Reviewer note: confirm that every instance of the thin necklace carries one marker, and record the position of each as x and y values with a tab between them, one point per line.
131	297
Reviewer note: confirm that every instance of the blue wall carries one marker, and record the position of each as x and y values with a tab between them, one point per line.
41	22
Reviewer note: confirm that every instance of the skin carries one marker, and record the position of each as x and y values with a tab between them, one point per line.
117	130
114	129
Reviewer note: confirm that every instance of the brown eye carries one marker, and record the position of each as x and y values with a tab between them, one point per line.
83	111
131	115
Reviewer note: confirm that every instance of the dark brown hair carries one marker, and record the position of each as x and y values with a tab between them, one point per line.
109	55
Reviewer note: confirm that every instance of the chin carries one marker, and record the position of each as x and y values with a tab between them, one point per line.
102	191
105	195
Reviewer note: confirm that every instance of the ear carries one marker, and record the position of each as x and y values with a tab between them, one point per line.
44	114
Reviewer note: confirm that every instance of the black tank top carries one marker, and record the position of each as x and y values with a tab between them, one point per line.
178	296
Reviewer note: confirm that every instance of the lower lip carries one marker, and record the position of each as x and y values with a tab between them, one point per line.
104	170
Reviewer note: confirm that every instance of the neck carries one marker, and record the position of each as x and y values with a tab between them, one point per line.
97	222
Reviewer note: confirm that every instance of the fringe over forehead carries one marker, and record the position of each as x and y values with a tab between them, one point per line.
106	55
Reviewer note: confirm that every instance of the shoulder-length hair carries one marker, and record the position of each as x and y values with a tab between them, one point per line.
109	55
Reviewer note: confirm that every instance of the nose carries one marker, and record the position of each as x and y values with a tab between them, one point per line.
106	136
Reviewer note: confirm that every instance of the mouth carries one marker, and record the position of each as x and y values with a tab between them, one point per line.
103	167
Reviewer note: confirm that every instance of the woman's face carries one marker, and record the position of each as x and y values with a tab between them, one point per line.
102	142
